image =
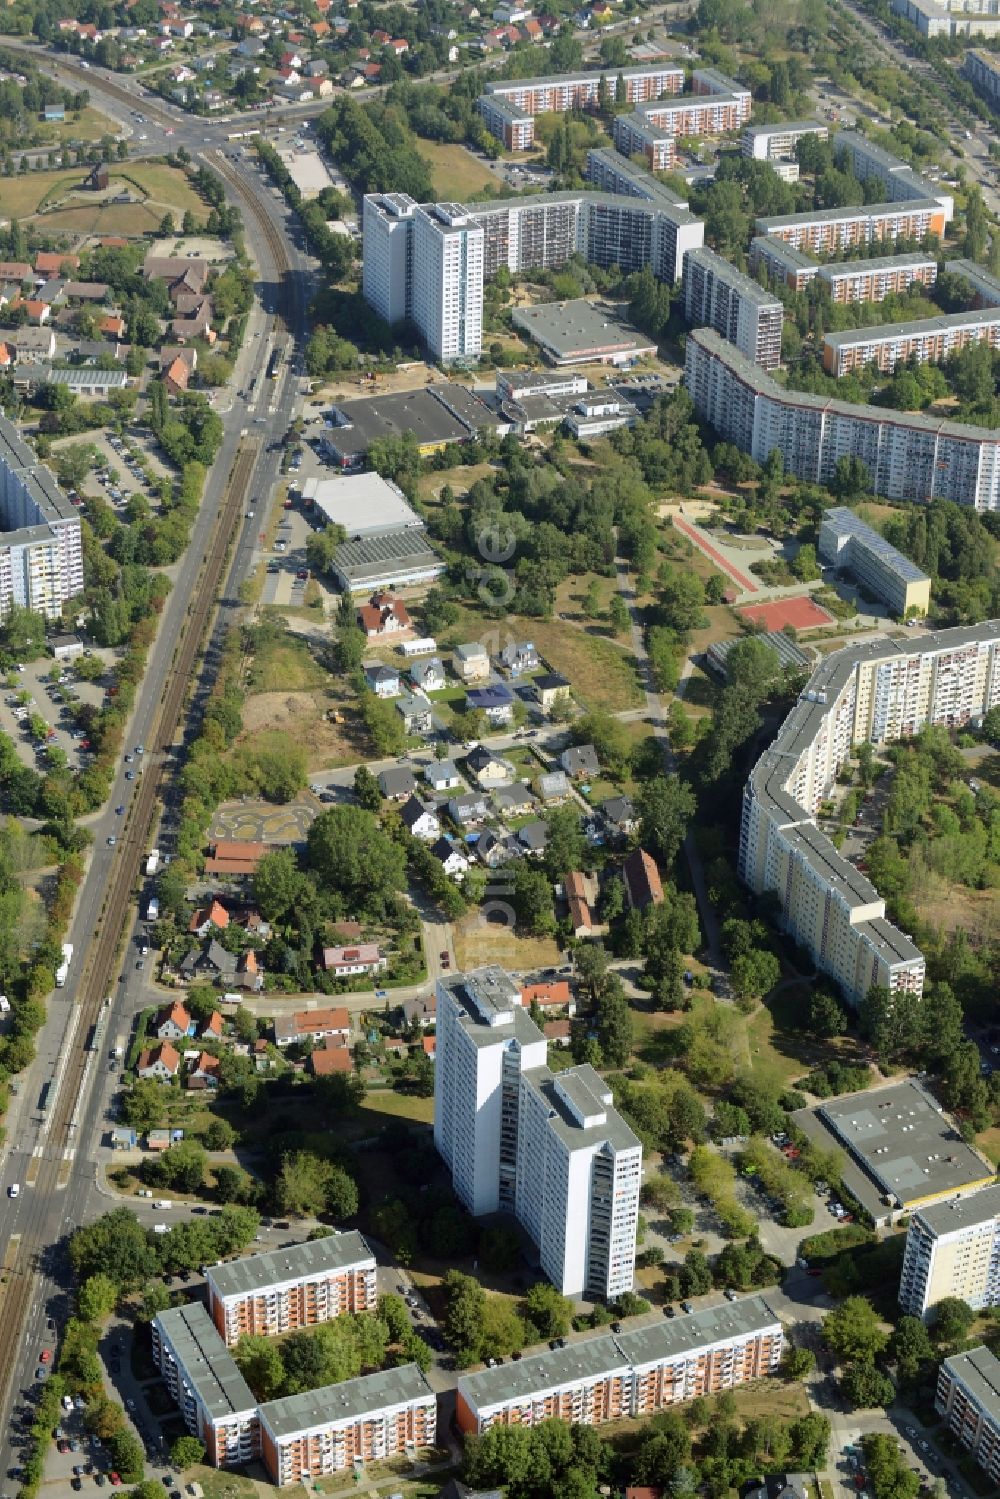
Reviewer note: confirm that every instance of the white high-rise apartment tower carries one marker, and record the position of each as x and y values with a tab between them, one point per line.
550	1148
448	281
387	223
953	1249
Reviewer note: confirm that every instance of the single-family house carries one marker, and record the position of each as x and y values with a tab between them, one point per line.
161	1063
352	962
396	1047
779	1486
577	892
557	1032
495	700
533	837
580	762
422	821
205	1072
383	617
471	662
551	997
51	291
428	1045
327	1060
427	675
249	974
213	917
123	1138
519	657
55	263
382	680
174	1023
553	786
313	1025
162	1139
450	857
35	343
177	376
442	775
468	808
397	782
642	880
488	769
416	713
619	815
549	689
211	1030
496	849
86	291
421	1010
515	800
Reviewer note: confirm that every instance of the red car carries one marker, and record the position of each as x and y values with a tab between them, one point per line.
816	1271
115	1480
45	1355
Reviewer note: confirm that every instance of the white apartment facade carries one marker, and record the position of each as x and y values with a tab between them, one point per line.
953	1249
882	691
951	17
447	281
870	162
198	1370
778	142
41	550
968	1397
550	1149
908	455
387	225
983	71
717	295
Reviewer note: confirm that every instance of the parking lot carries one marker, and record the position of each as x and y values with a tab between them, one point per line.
286	560
32	693
123	467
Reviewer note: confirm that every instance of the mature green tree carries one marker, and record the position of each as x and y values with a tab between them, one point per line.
911	1348
853	1330
665	806
278	884
755	973
548	1312
185	1452
354	859
366	789
97	1298
565	844
952	1319
302	1184
115	1245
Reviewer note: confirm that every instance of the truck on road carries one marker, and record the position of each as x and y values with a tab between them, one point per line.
62	972
152	861
153	909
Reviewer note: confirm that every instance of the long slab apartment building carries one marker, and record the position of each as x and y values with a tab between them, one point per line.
778	142
824	231
968	1397
324	1431
927	340
982	69
908	455
548	1147
880	692
870	279
716	105
41	551
627	1375
951	17
508	107
953	1249
717	295
429	262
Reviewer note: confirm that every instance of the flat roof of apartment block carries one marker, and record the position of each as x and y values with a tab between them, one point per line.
316	1257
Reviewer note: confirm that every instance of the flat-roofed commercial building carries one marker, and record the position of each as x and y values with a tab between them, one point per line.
198	1370
847	542
627	1375
874	280
346	1426
363	504
950	18
983	71
390	559
927	340
870	162
582	332
778	142
953	1249
984	286
826	230
968	1397
268	1294
41	552
880	692
717	295
908	455
906	1144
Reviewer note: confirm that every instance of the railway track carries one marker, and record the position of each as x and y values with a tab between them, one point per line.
58	1160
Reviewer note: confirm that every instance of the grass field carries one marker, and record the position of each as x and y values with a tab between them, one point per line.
603	673
22	195
166	185
46	193
457	173
388	1104
115	218
285	665
479	942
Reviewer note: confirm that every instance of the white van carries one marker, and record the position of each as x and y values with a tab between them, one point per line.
162	1204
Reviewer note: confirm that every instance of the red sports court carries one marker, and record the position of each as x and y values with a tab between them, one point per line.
799	612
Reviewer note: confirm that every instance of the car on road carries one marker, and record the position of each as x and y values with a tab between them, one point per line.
41	1372
14	1190
130	775
100	1480
445	958
45	1356
120	810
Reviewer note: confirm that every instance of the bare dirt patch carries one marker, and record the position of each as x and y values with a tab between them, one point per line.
478	941
302	715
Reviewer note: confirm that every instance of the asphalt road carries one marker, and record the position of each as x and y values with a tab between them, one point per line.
34	1217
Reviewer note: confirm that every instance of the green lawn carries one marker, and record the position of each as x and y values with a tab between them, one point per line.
386	1103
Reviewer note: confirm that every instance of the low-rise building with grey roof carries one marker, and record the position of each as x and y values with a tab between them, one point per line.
386	559
582	332
846	541
627	1375
346	1426
201	1375
298	1286
968	1397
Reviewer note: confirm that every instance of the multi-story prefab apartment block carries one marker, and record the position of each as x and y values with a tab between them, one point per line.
509	106
882	691
927	341
871	163
387	270
550	1148
507	121
968	1397
983	286
846	542
778	142
447	281
951	18
214	1398
953	1249
627	1375
717	295
270	1294
342	1428
872	280
983	71
41	552
908	455
827	230
613	173
782	262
